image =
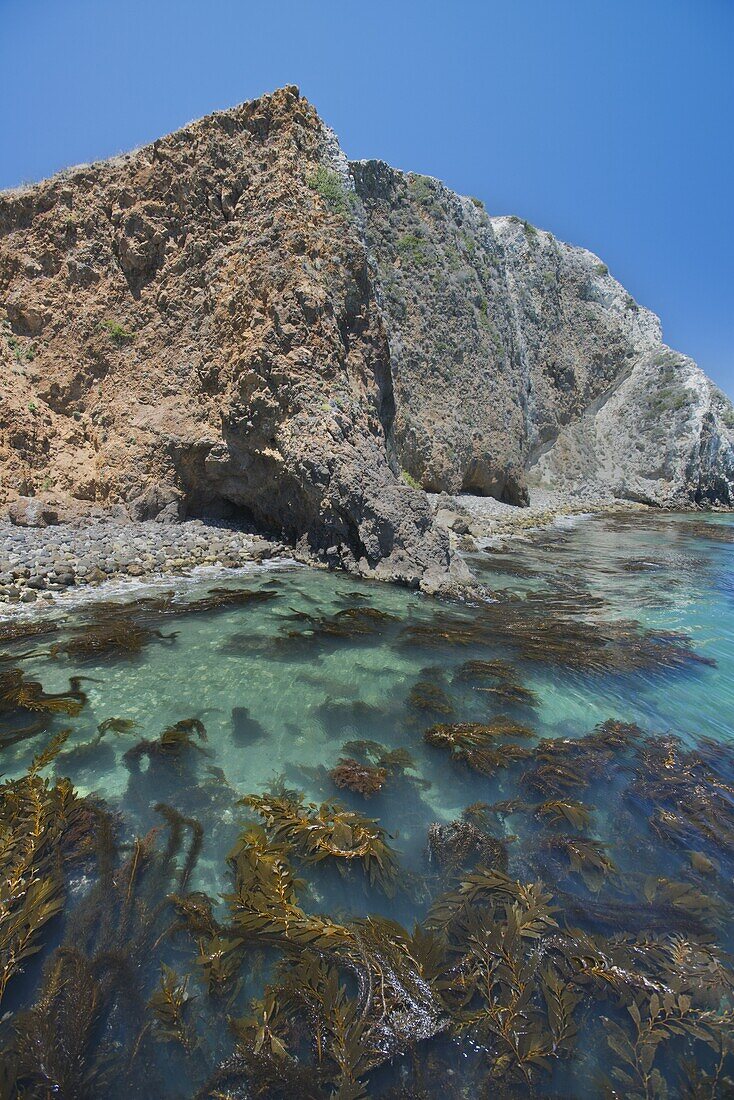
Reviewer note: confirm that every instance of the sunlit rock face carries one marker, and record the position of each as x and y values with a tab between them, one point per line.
234	319
518	359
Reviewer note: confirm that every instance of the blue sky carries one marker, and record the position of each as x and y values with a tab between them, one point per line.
609	123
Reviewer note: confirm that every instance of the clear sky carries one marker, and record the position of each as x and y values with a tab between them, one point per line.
608	122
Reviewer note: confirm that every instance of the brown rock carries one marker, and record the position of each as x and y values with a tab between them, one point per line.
228	353
30	512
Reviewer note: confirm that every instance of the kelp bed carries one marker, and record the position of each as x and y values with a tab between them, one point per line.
443	900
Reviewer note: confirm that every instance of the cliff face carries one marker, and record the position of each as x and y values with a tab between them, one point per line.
519	360
194	325
233	317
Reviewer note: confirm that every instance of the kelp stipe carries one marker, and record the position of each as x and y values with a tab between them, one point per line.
177	823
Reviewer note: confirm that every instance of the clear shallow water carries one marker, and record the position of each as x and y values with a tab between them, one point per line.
279	699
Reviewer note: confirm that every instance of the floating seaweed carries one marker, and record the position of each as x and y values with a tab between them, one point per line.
476	744
365	779
548	628
18	630
496	678
329	831
352	624
460	845
111	638
369	765
429	697
18	693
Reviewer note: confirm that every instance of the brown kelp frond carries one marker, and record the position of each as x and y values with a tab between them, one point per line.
172	743
353	624
689	803
367	766
42	827
497	678
170	1005
17	693
58	1048
656	1024
470	735
471	672
372	752
110	638
396	1003
220	599
364	779
554	779
478	813
261	1075
520	1013
17	630
329	831
88	1025
475	744
551	628
177	823
586	858
429	697
311	988
494	887
443	633
567	811
264	902
687	899
461	845
565	764
118	726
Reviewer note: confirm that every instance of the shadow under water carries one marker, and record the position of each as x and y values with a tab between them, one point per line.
340	842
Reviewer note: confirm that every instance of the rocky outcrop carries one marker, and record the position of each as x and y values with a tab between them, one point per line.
233	319
519	360
193	327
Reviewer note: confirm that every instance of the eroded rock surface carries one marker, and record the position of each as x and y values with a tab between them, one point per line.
234	321
519	360
193	326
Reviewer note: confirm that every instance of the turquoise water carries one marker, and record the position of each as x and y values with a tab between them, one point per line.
279	691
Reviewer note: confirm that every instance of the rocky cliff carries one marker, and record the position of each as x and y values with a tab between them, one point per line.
194	326
234	318
519	360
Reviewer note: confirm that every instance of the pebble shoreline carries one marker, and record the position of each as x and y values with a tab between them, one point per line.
39	563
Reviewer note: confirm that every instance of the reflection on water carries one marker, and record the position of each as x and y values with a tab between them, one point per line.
529	796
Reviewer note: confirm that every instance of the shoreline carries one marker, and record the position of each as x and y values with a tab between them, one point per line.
45	566
76	562
476	522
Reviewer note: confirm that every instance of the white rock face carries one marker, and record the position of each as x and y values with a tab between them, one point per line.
519	361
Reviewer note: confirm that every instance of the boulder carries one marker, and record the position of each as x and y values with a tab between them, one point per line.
32	512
